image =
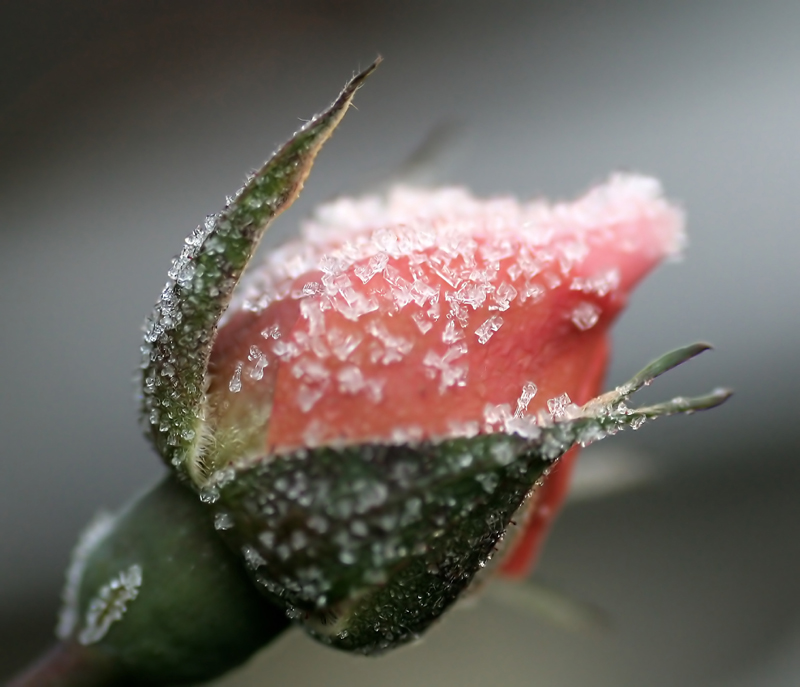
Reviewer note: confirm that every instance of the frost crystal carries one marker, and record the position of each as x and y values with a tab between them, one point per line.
110	604
272	332
528	392
602	284
452	334
423	323
257	371
451	373
585	315
341	344
488	328
351	381
376	264
533	291
395	348
223	521
252	558
308	396
559	406
503	296
235	385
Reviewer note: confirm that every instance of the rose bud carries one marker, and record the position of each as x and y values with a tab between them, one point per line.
383	391
431	315
363	423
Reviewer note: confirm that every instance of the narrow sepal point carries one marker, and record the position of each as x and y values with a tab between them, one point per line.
181	330
663	364
609	412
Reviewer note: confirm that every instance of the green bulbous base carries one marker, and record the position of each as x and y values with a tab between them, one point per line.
159	596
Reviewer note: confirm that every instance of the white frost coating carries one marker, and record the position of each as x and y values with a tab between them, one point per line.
110	604
361	236
404	435
374	389
525	426
95	532
495	417
464	429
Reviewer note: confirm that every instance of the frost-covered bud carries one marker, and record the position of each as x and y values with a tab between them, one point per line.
382	392
385	393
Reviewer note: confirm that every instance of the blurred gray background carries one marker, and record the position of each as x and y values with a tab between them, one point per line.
123	122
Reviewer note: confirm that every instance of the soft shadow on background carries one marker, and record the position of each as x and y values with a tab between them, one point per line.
122	123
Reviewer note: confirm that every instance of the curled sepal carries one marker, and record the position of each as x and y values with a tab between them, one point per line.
609	413
181	330
369	544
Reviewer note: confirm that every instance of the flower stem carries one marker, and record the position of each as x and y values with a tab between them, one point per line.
70	664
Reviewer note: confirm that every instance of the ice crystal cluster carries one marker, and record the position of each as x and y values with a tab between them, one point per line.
429	284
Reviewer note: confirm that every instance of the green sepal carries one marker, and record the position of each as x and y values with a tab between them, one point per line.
180	333
369	544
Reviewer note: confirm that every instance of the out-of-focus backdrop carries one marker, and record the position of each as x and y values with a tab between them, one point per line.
123	122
